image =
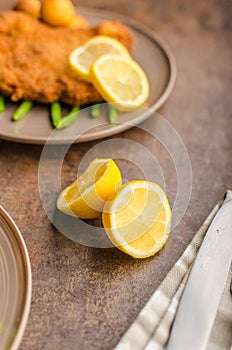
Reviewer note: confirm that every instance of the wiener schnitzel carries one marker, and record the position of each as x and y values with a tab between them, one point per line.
34	59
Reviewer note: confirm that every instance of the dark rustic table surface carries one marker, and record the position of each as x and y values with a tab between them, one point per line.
86	298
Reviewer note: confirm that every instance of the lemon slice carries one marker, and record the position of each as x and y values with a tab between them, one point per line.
86	196
121	80
138	220
82	58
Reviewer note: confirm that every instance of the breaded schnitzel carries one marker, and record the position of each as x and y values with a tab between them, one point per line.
34	59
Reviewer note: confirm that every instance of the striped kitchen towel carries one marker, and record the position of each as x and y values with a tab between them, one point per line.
151	329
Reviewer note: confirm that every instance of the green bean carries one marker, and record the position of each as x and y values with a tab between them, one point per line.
22	110
2	103
56	113
95	111
112	113
69	118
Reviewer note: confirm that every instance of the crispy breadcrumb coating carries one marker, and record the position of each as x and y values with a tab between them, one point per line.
34	59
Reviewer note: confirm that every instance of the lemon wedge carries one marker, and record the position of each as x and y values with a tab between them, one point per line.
121	80
86	196
138	220
82	58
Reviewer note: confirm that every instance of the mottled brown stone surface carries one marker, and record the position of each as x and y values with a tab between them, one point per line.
85	298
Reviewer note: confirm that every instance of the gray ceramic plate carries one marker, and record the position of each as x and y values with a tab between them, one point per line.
15	279
149	51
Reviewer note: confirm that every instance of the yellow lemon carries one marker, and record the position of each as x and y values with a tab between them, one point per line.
82	58
86	196
120	79
138	220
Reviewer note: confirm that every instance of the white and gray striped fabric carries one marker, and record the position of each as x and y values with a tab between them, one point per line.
151	329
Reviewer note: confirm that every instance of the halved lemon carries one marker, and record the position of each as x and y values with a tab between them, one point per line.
82	58
86	196
138	220
121	80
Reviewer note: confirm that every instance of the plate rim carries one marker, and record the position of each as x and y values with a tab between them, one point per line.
28	275
150	33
